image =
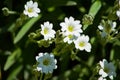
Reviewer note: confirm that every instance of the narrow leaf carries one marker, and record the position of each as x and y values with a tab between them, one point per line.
12	59
25	28
95	8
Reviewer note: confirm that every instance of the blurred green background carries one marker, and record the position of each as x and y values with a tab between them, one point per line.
17	52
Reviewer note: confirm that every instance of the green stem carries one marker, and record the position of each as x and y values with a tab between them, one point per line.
41	76
103	51
36	77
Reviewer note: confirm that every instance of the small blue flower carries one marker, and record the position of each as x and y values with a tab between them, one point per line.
46	63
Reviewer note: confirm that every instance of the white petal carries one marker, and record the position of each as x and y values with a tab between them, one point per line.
39	69
56	67
101	64
35	4
37	10
86	38
114	25
111	77
55	61
71	19
66	20
25	12
102	73
40	54
77	21
26	7
51	55
118	13
88	47
37	57
100	27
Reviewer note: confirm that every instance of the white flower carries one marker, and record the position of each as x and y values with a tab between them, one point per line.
82	43
46	63
71	26
107	69
31	9
118	13
70	38
104	30
47	31
112	27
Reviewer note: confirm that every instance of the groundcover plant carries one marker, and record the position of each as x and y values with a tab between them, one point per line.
60	40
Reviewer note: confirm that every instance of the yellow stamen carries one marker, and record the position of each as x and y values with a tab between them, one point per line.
30	10
46	62
70	28
82	44
106	70
45	30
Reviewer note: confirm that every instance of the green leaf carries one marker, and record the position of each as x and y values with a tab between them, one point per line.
11	27
12	59
95	8
25	28
112	53
15	72
91	60
71	3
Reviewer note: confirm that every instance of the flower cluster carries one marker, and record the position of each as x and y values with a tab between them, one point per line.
46	62
107	69
31	9
71	30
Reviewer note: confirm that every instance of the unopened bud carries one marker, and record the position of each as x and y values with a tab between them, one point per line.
87	19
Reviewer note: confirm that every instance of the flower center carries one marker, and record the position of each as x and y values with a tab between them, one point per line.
106	70
82	44
46	62
45	30
30	10
70	28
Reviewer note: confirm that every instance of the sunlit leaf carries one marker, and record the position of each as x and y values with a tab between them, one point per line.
25	28
71	3
112	53
91	60
12	59
95	8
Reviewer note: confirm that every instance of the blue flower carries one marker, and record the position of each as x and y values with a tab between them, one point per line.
46	63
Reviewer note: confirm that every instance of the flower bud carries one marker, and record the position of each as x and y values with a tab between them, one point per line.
87	19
